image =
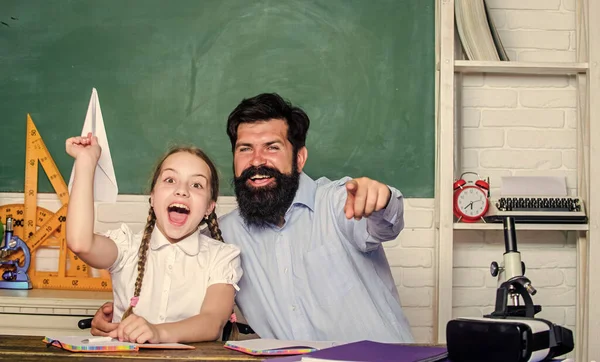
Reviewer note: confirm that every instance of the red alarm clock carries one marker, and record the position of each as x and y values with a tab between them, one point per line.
471	199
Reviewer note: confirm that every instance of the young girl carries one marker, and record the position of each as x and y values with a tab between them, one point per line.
170	282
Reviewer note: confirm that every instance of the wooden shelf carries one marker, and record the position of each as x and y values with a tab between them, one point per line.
498	226
450	66
469	66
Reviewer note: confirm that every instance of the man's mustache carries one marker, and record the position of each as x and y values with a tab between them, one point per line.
259	170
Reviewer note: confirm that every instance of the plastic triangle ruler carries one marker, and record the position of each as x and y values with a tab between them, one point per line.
40	227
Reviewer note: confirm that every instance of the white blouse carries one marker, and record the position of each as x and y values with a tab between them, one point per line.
176	276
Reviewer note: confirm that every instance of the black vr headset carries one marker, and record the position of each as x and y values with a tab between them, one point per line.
506	340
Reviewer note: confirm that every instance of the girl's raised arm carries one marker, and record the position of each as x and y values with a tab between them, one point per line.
97	251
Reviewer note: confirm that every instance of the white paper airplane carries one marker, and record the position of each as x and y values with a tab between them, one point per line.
105	182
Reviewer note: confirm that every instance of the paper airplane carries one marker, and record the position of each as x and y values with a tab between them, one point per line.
105	182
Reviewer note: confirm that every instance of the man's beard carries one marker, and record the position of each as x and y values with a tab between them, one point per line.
266	205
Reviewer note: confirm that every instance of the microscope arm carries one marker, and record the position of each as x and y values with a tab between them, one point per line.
515	285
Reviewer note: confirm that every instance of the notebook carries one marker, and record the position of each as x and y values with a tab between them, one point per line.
82	344
273	347
369	351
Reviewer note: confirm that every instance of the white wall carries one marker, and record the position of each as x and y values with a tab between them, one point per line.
511	126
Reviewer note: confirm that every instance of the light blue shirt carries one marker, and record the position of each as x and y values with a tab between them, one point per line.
320	276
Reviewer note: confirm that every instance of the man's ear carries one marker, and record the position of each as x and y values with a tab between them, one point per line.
301	158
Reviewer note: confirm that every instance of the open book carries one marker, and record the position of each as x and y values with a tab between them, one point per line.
90	344
274	347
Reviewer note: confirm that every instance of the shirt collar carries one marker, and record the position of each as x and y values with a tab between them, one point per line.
189	245
305	195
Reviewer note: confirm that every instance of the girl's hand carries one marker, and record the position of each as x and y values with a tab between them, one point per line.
102	323
87	146
136	329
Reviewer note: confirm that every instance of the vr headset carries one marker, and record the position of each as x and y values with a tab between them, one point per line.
506	340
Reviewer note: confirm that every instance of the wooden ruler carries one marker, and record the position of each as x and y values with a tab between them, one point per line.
40	227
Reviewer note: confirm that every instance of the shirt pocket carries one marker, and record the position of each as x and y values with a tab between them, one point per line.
329	273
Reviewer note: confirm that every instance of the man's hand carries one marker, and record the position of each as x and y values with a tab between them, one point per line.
102	323
365	196
136	329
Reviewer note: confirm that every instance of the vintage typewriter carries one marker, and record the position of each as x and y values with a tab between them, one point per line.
538	210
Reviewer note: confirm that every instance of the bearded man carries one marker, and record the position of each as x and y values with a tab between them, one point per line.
312	253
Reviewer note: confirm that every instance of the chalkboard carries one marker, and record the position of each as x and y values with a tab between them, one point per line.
169	72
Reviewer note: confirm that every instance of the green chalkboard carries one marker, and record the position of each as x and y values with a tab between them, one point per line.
169	72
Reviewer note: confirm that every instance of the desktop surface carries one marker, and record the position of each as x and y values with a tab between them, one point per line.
31	348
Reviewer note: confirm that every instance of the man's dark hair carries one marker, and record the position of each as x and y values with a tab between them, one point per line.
264	107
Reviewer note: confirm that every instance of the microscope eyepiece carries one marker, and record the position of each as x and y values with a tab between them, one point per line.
510	235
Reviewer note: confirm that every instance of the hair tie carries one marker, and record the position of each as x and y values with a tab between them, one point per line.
233	318
134	301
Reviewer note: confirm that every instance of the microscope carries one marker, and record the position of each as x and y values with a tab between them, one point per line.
512	280
511	332
14	275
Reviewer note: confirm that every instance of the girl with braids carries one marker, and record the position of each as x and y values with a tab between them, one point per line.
170	282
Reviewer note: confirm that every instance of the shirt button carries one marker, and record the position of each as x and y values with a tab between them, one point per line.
285	270
170	267
293	308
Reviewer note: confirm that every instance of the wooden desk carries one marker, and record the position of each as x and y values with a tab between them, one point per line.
31	348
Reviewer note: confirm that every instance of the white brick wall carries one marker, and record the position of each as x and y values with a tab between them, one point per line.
521	125
536	30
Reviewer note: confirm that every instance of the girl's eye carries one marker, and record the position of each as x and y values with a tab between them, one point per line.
169	180
197	185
